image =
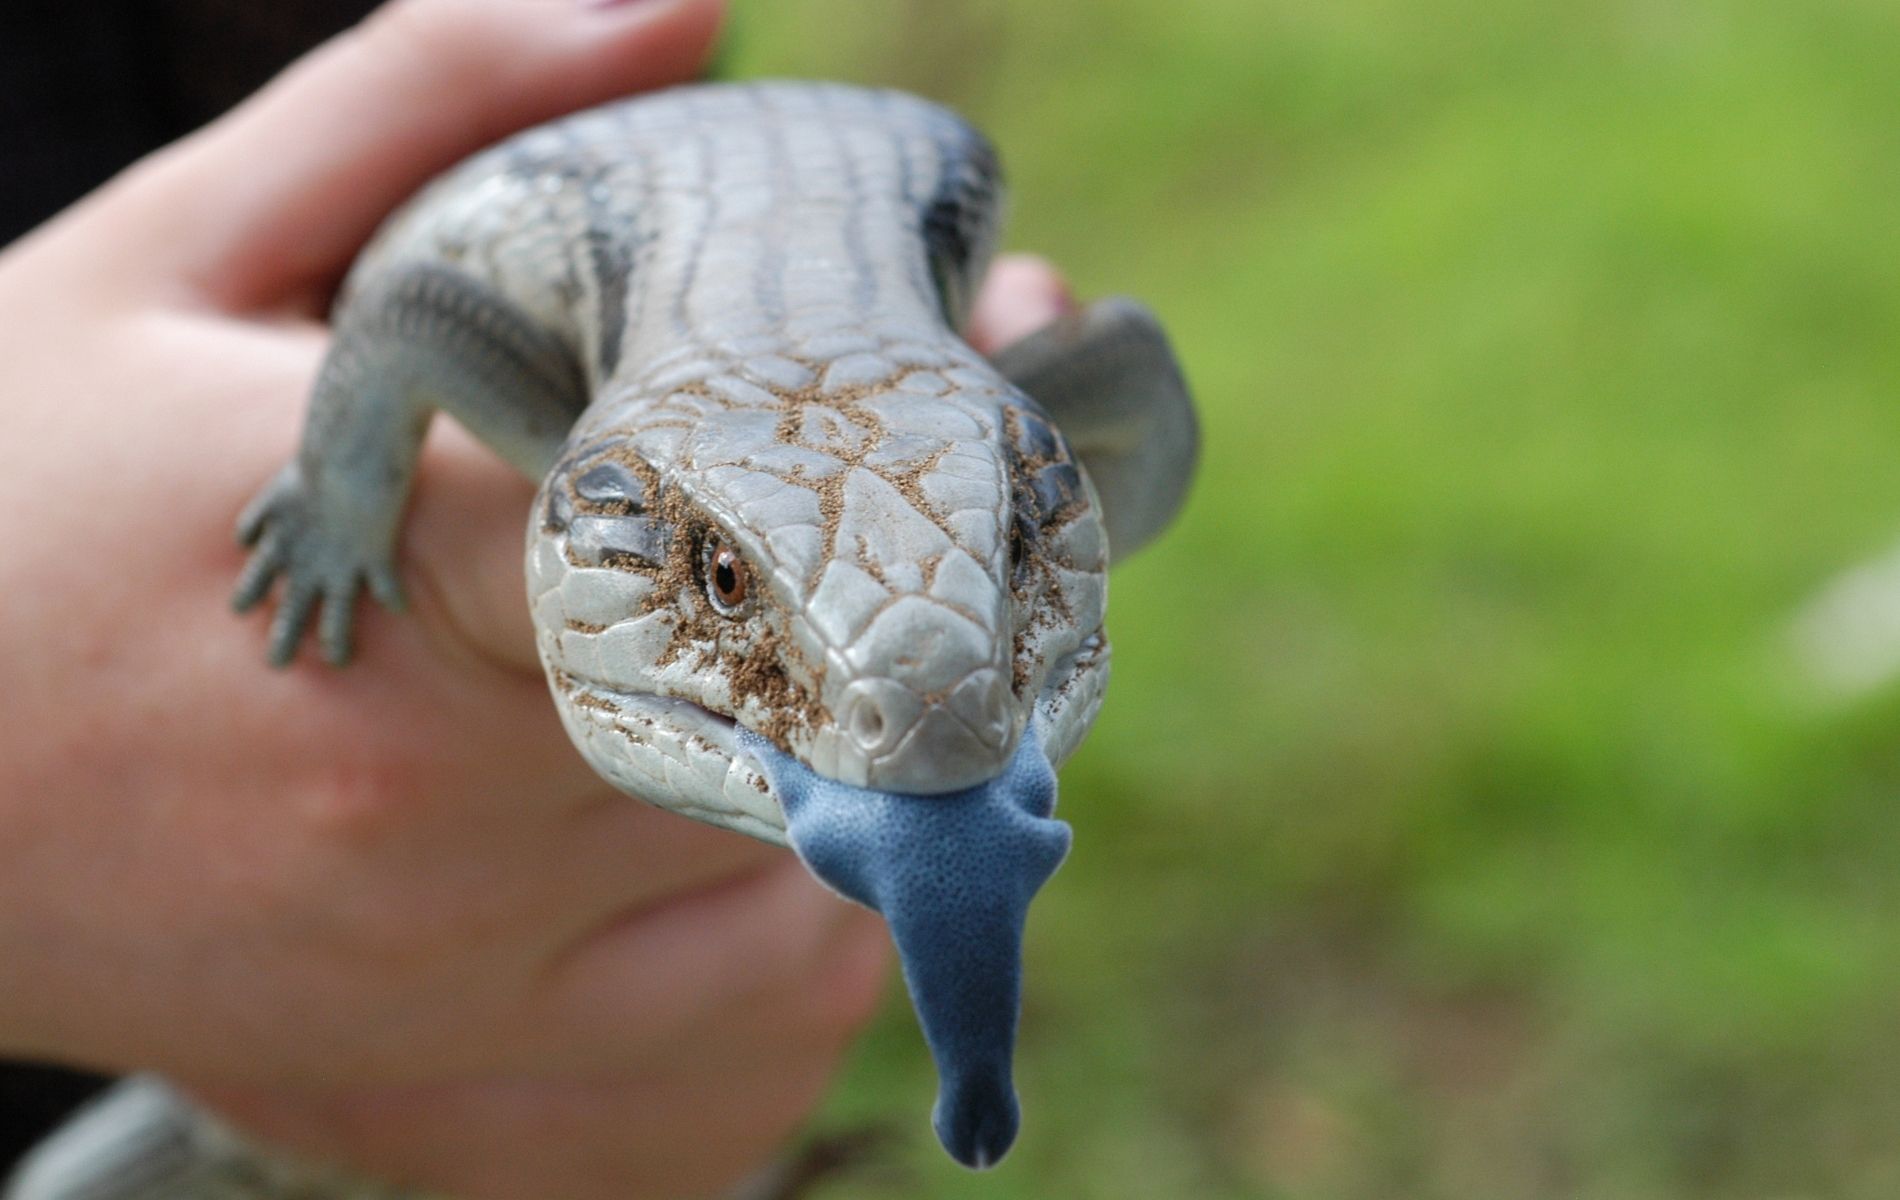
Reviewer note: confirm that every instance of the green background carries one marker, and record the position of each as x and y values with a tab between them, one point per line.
1457	825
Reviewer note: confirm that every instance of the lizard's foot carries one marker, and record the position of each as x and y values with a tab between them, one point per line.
323	562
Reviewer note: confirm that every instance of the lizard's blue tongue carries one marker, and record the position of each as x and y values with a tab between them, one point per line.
953	875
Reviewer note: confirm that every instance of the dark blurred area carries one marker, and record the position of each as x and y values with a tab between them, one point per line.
87	88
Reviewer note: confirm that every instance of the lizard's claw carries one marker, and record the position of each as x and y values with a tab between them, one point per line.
322	564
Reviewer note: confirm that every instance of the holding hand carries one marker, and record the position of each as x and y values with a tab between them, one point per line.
385	915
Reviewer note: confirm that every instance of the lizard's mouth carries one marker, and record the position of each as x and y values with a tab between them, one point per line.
701	763
656	747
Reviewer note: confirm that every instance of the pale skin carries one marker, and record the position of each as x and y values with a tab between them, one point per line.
384	915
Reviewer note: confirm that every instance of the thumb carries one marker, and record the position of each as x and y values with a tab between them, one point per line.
267	205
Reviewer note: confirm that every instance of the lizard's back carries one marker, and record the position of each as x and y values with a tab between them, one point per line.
731	222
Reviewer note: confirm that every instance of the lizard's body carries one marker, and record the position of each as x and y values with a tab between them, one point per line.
803	563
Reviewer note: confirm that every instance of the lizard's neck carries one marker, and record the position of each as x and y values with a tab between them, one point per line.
753	293
739	324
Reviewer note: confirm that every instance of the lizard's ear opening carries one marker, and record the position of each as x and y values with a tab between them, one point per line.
1109	380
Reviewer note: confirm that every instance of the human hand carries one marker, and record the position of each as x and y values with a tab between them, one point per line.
384	915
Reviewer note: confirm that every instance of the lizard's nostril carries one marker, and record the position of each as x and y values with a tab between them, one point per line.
877	714
867	724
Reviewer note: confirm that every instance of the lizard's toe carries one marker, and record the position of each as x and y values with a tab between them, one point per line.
293	614
323	563
337	626
259	573
386	586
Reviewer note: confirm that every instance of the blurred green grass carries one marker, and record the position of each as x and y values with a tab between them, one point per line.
1454	828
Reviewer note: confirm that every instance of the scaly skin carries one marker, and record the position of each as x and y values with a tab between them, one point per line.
802	564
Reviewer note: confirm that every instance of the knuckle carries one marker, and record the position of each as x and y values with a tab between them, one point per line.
359	801
336	883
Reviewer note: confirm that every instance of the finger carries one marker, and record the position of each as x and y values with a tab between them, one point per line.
623	856
462	549
704	953
655	1136
832	996
278	195
1021	294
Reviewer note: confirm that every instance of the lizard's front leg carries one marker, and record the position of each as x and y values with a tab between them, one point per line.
414	338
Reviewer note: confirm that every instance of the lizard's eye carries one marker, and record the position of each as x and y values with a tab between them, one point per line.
728	579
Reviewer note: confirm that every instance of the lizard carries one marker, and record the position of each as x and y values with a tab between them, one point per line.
802	563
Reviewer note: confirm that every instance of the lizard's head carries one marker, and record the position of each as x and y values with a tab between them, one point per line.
868	622
891	589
